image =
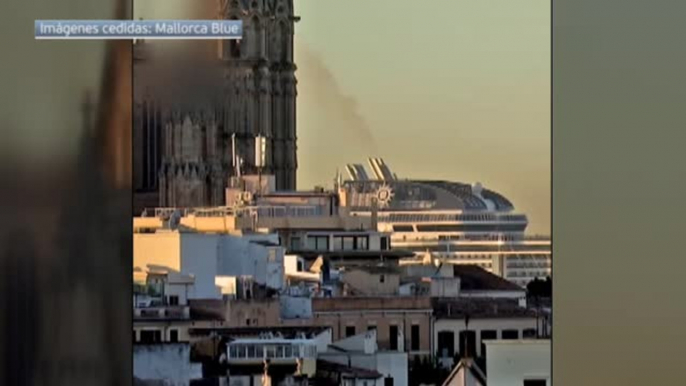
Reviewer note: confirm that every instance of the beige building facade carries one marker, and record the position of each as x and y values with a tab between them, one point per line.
402	323
371	280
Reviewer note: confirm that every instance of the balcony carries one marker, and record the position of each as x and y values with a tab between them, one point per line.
162	312
278	352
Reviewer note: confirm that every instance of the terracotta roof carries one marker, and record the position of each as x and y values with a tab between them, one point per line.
475	278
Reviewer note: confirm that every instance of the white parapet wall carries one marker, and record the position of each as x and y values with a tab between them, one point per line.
511	362
168	362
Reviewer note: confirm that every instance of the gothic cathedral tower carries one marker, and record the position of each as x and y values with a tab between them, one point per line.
260	83
183	150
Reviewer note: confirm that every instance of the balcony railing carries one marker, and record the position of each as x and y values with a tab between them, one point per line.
169	312
273	351
279	211
248	211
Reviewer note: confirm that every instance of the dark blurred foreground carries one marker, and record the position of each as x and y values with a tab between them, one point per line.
65	234
65	312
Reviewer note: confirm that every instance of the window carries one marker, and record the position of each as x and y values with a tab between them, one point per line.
467	343
301	266
318	243
382	278
235	48
393	337
338	243
173	300
446	344
174	335
349	331
529	333
510	334
385	245
151	336
295	243
371	328
362	243
487	335
348	243
414	337
535	382
470	228
388	381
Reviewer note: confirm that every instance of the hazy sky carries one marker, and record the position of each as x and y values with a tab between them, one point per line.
457	90
442	89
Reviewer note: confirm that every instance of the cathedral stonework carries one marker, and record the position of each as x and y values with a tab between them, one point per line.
184	146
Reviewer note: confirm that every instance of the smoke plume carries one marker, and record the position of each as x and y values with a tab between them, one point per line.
331	130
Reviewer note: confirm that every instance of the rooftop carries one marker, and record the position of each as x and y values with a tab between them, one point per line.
393	254
460	370
285	332
347	371
379	269
480	309
371	303
517	342
475	278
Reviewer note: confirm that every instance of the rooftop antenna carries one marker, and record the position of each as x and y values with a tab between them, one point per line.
235	162
375	214
260	157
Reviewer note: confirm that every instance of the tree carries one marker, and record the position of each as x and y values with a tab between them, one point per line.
540	288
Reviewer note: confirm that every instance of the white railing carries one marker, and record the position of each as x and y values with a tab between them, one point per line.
271	351
166	213
281	211
266	211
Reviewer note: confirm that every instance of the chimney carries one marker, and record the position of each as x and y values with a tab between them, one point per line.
375	214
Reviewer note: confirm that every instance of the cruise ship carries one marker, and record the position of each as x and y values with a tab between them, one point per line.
447	222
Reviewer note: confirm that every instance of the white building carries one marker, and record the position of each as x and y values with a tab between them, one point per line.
466	373
361	351
167	363
518	362
274	355
466	324
212	259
